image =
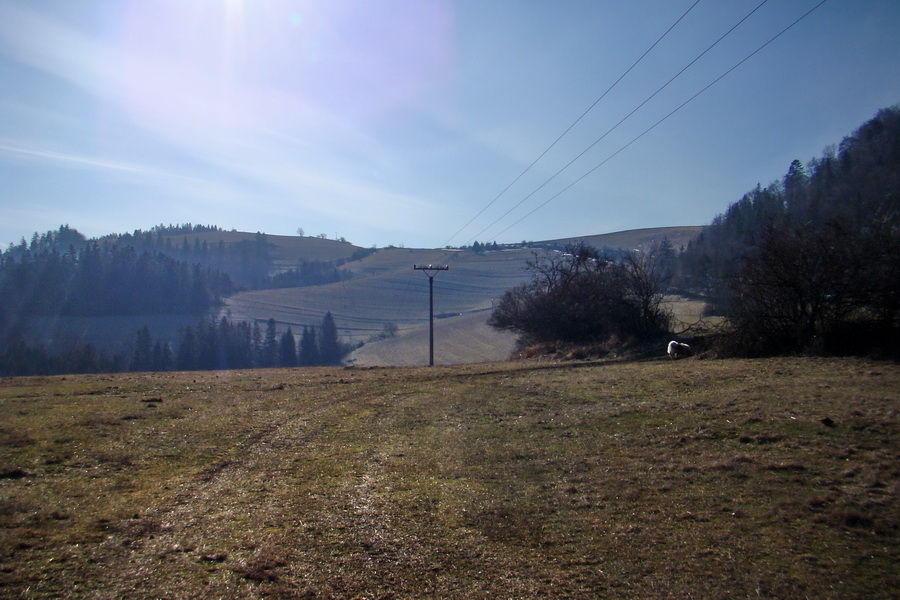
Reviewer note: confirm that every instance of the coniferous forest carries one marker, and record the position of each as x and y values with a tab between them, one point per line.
62	274
810	263
209	345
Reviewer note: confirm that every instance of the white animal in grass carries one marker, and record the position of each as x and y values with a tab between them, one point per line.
678	350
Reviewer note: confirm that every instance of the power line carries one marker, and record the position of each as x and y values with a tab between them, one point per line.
626	117
563	134
652	127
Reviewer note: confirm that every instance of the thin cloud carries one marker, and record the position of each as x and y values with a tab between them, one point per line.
87	161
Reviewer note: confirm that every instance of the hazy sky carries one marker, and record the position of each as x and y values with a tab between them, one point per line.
397	121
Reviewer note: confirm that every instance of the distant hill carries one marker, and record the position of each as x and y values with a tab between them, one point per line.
286	250
375	291
384	289
642	239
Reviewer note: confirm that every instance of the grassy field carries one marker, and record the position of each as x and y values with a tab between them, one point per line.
286	250
460	340
656	479
642	238
387	290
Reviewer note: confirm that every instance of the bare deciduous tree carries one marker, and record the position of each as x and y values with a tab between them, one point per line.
584	296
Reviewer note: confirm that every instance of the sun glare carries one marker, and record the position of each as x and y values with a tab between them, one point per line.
234	9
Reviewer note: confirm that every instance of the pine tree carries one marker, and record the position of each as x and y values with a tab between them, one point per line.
309	349
795	185
187	350
270	346
256	345
142	358
162	356
329	345
287	350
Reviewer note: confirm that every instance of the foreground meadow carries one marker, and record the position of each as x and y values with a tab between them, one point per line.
658	479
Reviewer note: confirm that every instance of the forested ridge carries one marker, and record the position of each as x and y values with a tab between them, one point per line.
810	262
856	184
101	280
62	274
247	262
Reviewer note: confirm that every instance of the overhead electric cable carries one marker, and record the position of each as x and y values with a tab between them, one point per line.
652	127
623	119
563	134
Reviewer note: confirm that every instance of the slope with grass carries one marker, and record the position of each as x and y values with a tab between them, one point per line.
286	250
688	479
385	290
640	239
388	290
458	340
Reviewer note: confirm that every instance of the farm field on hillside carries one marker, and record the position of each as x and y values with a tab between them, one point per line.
659	479
642	238
458	340
286	250
388	290
385	290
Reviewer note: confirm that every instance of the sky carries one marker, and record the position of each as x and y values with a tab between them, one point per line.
417	123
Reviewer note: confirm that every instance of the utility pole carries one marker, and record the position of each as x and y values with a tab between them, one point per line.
431	271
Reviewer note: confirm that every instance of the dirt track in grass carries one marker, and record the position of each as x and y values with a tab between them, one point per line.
659	479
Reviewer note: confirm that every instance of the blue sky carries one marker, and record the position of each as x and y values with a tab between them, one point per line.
398	121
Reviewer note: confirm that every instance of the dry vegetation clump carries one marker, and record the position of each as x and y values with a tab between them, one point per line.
614	348
659	479
555	351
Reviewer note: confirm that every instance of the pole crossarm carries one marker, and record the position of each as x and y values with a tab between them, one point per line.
431	271
431	268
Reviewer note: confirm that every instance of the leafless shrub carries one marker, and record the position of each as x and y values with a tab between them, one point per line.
829	291
583	296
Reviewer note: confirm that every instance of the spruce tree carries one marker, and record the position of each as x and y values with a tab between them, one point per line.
309	350
287	350
256	346
329	345
187	349
142	358
270	346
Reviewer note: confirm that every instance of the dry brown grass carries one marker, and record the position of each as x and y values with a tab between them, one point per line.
688	479
458	340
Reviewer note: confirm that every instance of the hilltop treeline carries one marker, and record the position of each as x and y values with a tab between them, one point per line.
811	262
62	274
248	263
144	272
856	184
102	280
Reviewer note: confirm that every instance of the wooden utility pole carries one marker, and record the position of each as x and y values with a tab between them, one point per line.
431	271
